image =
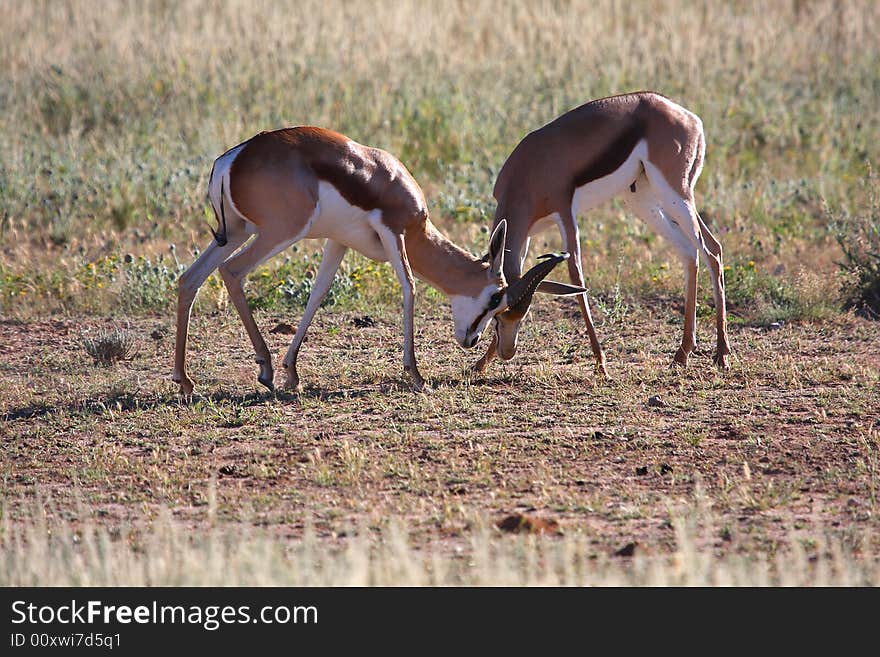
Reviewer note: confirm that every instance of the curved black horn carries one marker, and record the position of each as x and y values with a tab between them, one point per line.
520	292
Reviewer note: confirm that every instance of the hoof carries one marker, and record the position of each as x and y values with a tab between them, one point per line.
186	385
422	388
480	366
680	360
601	370
267	374
292	383
418	383
722	361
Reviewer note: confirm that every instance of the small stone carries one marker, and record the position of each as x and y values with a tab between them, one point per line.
520	523
627	550
642	470
284	328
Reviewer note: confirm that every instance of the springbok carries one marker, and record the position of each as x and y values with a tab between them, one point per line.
640	146
306	182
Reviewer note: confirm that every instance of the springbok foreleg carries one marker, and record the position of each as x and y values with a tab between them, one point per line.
713	259
332	258
572	243
395	249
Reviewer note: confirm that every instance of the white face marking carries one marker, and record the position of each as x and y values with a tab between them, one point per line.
466	310
346	223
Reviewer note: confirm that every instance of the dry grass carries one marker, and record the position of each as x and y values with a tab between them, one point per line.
159	553
781	451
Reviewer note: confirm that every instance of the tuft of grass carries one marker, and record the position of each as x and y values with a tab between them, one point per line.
858	235
108	347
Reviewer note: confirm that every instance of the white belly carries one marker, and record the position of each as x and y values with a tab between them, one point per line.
545	223
338	220
603	189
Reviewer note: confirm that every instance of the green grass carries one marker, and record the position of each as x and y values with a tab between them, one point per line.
111	118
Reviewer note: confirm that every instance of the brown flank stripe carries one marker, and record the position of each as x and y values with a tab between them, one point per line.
613	157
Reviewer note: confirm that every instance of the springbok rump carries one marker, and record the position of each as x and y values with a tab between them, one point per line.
305	182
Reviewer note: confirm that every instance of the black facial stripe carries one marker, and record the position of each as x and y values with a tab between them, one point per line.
473	327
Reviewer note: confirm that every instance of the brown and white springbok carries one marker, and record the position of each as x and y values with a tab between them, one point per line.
306	182
641	147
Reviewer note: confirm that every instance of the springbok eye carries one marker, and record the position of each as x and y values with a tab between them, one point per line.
494	300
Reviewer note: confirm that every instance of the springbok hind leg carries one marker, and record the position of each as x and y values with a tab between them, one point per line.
646	200
395	249
233	272
190	282
681	209
714	261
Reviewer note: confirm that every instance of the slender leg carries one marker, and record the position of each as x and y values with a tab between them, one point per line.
484	361
673	214
395	249
332	258
572	244
714	261
190	282
689	338
233	272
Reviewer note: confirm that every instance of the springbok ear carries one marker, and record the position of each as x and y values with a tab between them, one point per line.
559	289
496	247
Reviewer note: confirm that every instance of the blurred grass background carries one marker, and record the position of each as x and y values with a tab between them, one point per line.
111	114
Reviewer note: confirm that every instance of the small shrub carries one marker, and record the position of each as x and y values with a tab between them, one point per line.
288	287
613	305
149	285
754	292
859	238
109	347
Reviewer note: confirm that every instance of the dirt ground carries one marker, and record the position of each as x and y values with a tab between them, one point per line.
784	444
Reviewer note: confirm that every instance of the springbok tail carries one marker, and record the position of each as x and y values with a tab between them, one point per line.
220	234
